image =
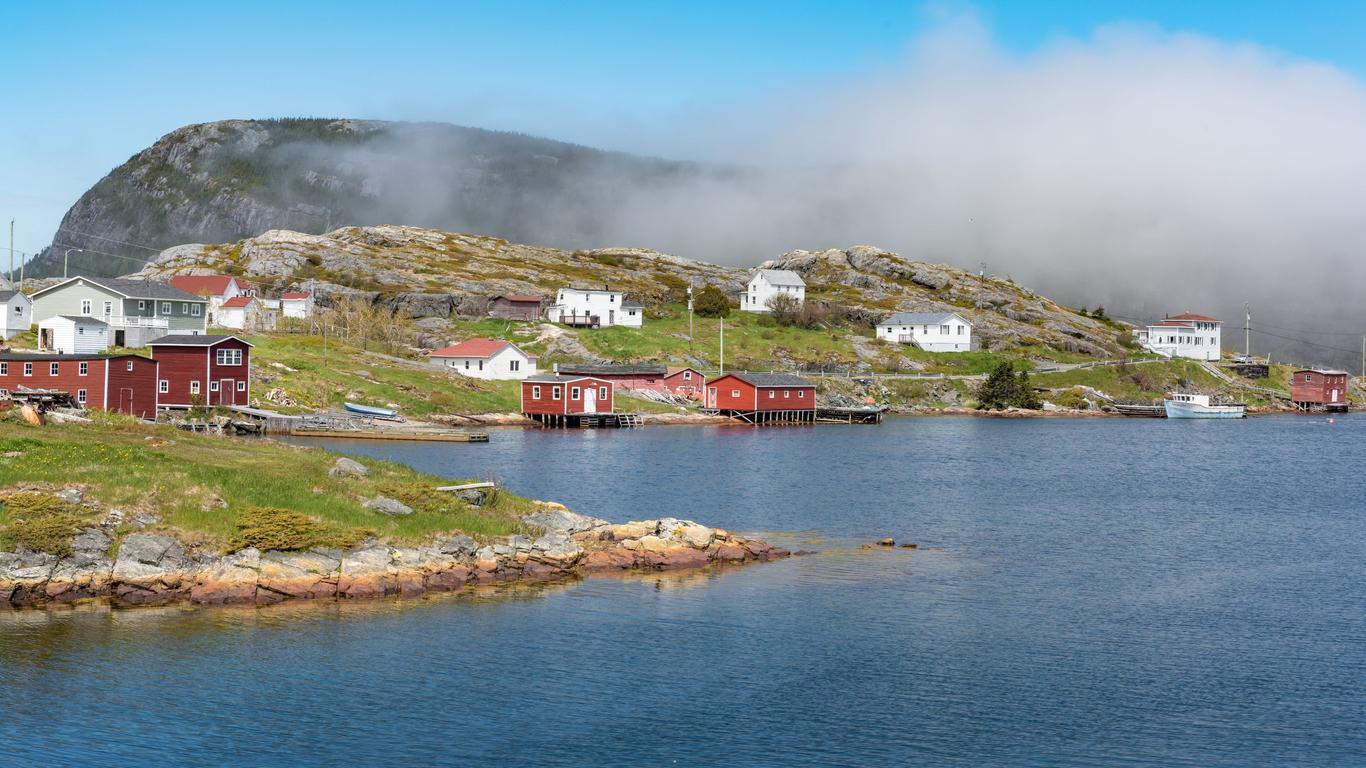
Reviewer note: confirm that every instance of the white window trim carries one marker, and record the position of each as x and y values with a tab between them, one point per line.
194	386
164	386
80	396
241	386
536	392
54	369
575	393
165	307
83	368
556	391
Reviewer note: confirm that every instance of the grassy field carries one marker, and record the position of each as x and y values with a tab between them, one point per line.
1144	381
202	487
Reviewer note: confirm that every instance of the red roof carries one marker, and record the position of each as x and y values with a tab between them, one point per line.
290	295
202	285
237	302
471	348
1195	318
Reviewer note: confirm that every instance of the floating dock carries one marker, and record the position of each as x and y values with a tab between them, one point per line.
857	414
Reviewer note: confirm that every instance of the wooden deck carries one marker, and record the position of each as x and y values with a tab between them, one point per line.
431	436
859	414
585	420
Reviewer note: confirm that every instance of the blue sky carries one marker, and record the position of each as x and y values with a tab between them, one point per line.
89	84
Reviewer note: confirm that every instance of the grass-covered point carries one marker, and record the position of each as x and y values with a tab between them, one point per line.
226	493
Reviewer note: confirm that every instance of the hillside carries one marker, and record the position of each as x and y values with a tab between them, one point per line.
443	280
226	180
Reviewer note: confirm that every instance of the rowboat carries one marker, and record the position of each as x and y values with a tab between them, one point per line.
1182	406
371	410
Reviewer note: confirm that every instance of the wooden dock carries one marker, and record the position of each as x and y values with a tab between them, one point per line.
858	414
586	420
431	436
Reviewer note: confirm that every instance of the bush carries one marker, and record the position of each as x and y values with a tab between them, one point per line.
711	302
40	522
273	528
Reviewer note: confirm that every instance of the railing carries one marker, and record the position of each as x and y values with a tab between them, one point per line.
133	321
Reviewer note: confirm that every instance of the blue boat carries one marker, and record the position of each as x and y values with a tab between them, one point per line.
370	410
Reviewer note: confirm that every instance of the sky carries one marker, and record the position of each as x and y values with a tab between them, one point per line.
1071	143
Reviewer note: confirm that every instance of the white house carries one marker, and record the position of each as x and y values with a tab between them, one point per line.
592	308
294	304
931	331
1187	335
136	311
768	283
73	335
16	313
246	313
485	359
216	289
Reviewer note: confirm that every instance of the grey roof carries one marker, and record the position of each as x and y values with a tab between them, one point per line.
632	304
553	378
772	379
7	295
136	289
781	276
920	318
56	356
626	369
192	340
83	319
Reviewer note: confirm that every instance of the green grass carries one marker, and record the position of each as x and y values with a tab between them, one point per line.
181	477
1143	381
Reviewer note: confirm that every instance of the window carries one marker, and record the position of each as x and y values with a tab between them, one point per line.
735	393
128	366
602	393
944	329
54	368
241	386
574	393
514	365
80	330
85	306
28	369
164	387
960	330
108	308
184	308
194	387
787	393
555	392
801	393
165	307
80	396
4	394
772	394
229	357
213	386
687	375
83	368
142	305
194	309
467	363
536	392
19	310
1308	377
481	365
4	369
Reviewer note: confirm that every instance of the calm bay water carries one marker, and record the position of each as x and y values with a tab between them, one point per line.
1134	593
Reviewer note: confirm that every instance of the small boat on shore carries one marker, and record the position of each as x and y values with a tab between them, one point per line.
371	410
1183	406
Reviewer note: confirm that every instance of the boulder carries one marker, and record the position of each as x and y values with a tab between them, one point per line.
887	542
458	545
475	497
554	517
348	468
70	495
387	506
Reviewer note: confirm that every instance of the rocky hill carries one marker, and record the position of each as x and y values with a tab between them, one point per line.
428	273
222	181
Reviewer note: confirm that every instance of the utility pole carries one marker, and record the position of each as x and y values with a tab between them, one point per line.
723	346
690	317
10	278
1247	332
1363	357
66	259
11	255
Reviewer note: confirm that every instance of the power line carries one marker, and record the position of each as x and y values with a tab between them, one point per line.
110	239
102	253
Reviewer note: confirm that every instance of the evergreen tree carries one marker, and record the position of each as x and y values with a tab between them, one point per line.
1023	396
711	302
997	391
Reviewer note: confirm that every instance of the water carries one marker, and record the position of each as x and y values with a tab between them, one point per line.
1117	592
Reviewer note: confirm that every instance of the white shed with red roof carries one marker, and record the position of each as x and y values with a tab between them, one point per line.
485	359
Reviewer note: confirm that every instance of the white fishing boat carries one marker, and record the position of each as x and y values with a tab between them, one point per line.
1182	406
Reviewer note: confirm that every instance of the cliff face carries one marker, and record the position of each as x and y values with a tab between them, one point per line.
432	273
227	180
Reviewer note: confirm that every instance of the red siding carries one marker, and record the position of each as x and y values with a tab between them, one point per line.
730	394
1317	387
182	365
567	403
735	394
678	385
131	392
786	398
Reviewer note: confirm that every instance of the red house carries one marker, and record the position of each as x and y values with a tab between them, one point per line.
684	381
123	383
559	400
627	375
1319	389
202	370
760	398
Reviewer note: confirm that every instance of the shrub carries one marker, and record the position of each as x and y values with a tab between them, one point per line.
711	302
273	528
40	522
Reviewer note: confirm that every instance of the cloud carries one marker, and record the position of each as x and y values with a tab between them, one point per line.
1142	169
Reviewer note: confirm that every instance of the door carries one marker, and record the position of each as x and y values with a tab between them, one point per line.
227	392
120	337
711	397
1334	396
45	338
126	401
611	317
590	399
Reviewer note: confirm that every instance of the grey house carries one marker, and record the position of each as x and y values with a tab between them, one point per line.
137	311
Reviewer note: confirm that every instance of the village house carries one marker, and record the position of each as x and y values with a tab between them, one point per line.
123	383
1312	389
16	313
592	308
136	311
512	306
767	283
485	359
760	398
216	289
684	381
296	304
247	313
556	400
73	335
202	370
629	375
1187	335
930	331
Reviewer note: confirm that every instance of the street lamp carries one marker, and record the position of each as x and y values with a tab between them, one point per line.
67	258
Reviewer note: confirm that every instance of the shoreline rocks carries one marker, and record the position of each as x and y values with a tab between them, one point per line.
156	569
